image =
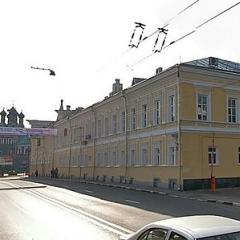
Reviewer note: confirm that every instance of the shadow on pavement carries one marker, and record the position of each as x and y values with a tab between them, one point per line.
174	206
20	188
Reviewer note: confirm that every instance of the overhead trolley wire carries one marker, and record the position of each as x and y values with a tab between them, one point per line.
142	26
189	33
170	20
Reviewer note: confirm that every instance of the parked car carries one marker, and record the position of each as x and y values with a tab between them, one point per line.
12	173
202	227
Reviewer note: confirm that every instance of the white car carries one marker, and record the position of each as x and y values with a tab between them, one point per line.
202	227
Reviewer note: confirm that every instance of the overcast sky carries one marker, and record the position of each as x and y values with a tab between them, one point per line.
86	43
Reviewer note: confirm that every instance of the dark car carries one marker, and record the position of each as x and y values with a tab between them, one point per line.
12	173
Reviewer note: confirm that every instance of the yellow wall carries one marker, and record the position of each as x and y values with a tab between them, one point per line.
218	104
188	101
195	155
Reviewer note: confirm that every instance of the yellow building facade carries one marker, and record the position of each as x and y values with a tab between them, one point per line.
176	129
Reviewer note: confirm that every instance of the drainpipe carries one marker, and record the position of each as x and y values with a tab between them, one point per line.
70	149
179	131
94	143
126	140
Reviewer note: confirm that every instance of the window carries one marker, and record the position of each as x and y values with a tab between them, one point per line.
202	107
114	122
238	155
144	156
175	236
172	108
171	156
212	155
133	118
122	158
65	132
114	158
106	159
144	115
106	126
38	142
156	155
133	157
154	234
99	162
99	128
232	110
123	119
157	112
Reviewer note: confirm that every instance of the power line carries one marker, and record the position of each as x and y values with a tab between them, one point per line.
170	20
141	26
189	33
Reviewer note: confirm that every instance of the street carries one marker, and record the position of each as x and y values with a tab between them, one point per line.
32	210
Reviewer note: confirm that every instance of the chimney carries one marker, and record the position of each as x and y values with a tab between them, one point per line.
116	87
68	107
213	62
61	106
158	70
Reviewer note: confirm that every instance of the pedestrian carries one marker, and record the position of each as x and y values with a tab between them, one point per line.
56	173
36	173
52	173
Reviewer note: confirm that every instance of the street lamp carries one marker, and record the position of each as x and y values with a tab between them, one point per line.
52	73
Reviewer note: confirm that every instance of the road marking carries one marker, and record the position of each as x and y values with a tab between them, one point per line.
131	201
88	191
90	217
96	220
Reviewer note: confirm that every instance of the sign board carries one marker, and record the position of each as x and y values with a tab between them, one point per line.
6	160
28	131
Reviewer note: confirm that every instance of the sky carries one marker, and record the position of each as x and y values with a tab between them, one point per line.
86	44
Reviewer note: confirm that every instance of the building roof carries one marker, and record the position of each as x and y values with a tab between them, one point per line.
216	63
41	123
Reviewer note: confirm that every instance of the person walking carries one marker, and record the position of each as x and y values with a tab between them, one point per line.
52	173
56	173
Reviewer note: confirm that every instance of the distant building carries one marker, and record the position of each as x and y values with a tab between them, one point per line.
14	148
42	156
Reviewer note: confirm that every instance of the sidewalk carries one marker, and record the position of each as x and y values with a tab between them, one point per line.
227	196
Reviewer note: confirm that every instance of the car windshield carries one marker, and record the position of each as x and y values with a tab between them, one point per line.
228	236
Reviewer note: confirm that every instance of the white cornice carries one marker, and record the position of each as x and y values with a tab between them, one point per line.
210	129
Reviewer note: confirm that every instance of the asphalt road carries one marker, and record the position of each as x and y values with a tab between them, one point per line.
83	211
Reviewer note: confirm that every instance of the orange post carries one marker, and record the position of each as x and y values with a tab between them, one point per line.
213	183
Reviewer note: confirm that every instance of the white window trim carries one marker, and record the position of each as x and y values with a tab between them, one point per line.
170	145
209	107
154	146
217	157
143	115
135	118
155	100
141	154
238	154
172	93
114	124
237	109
